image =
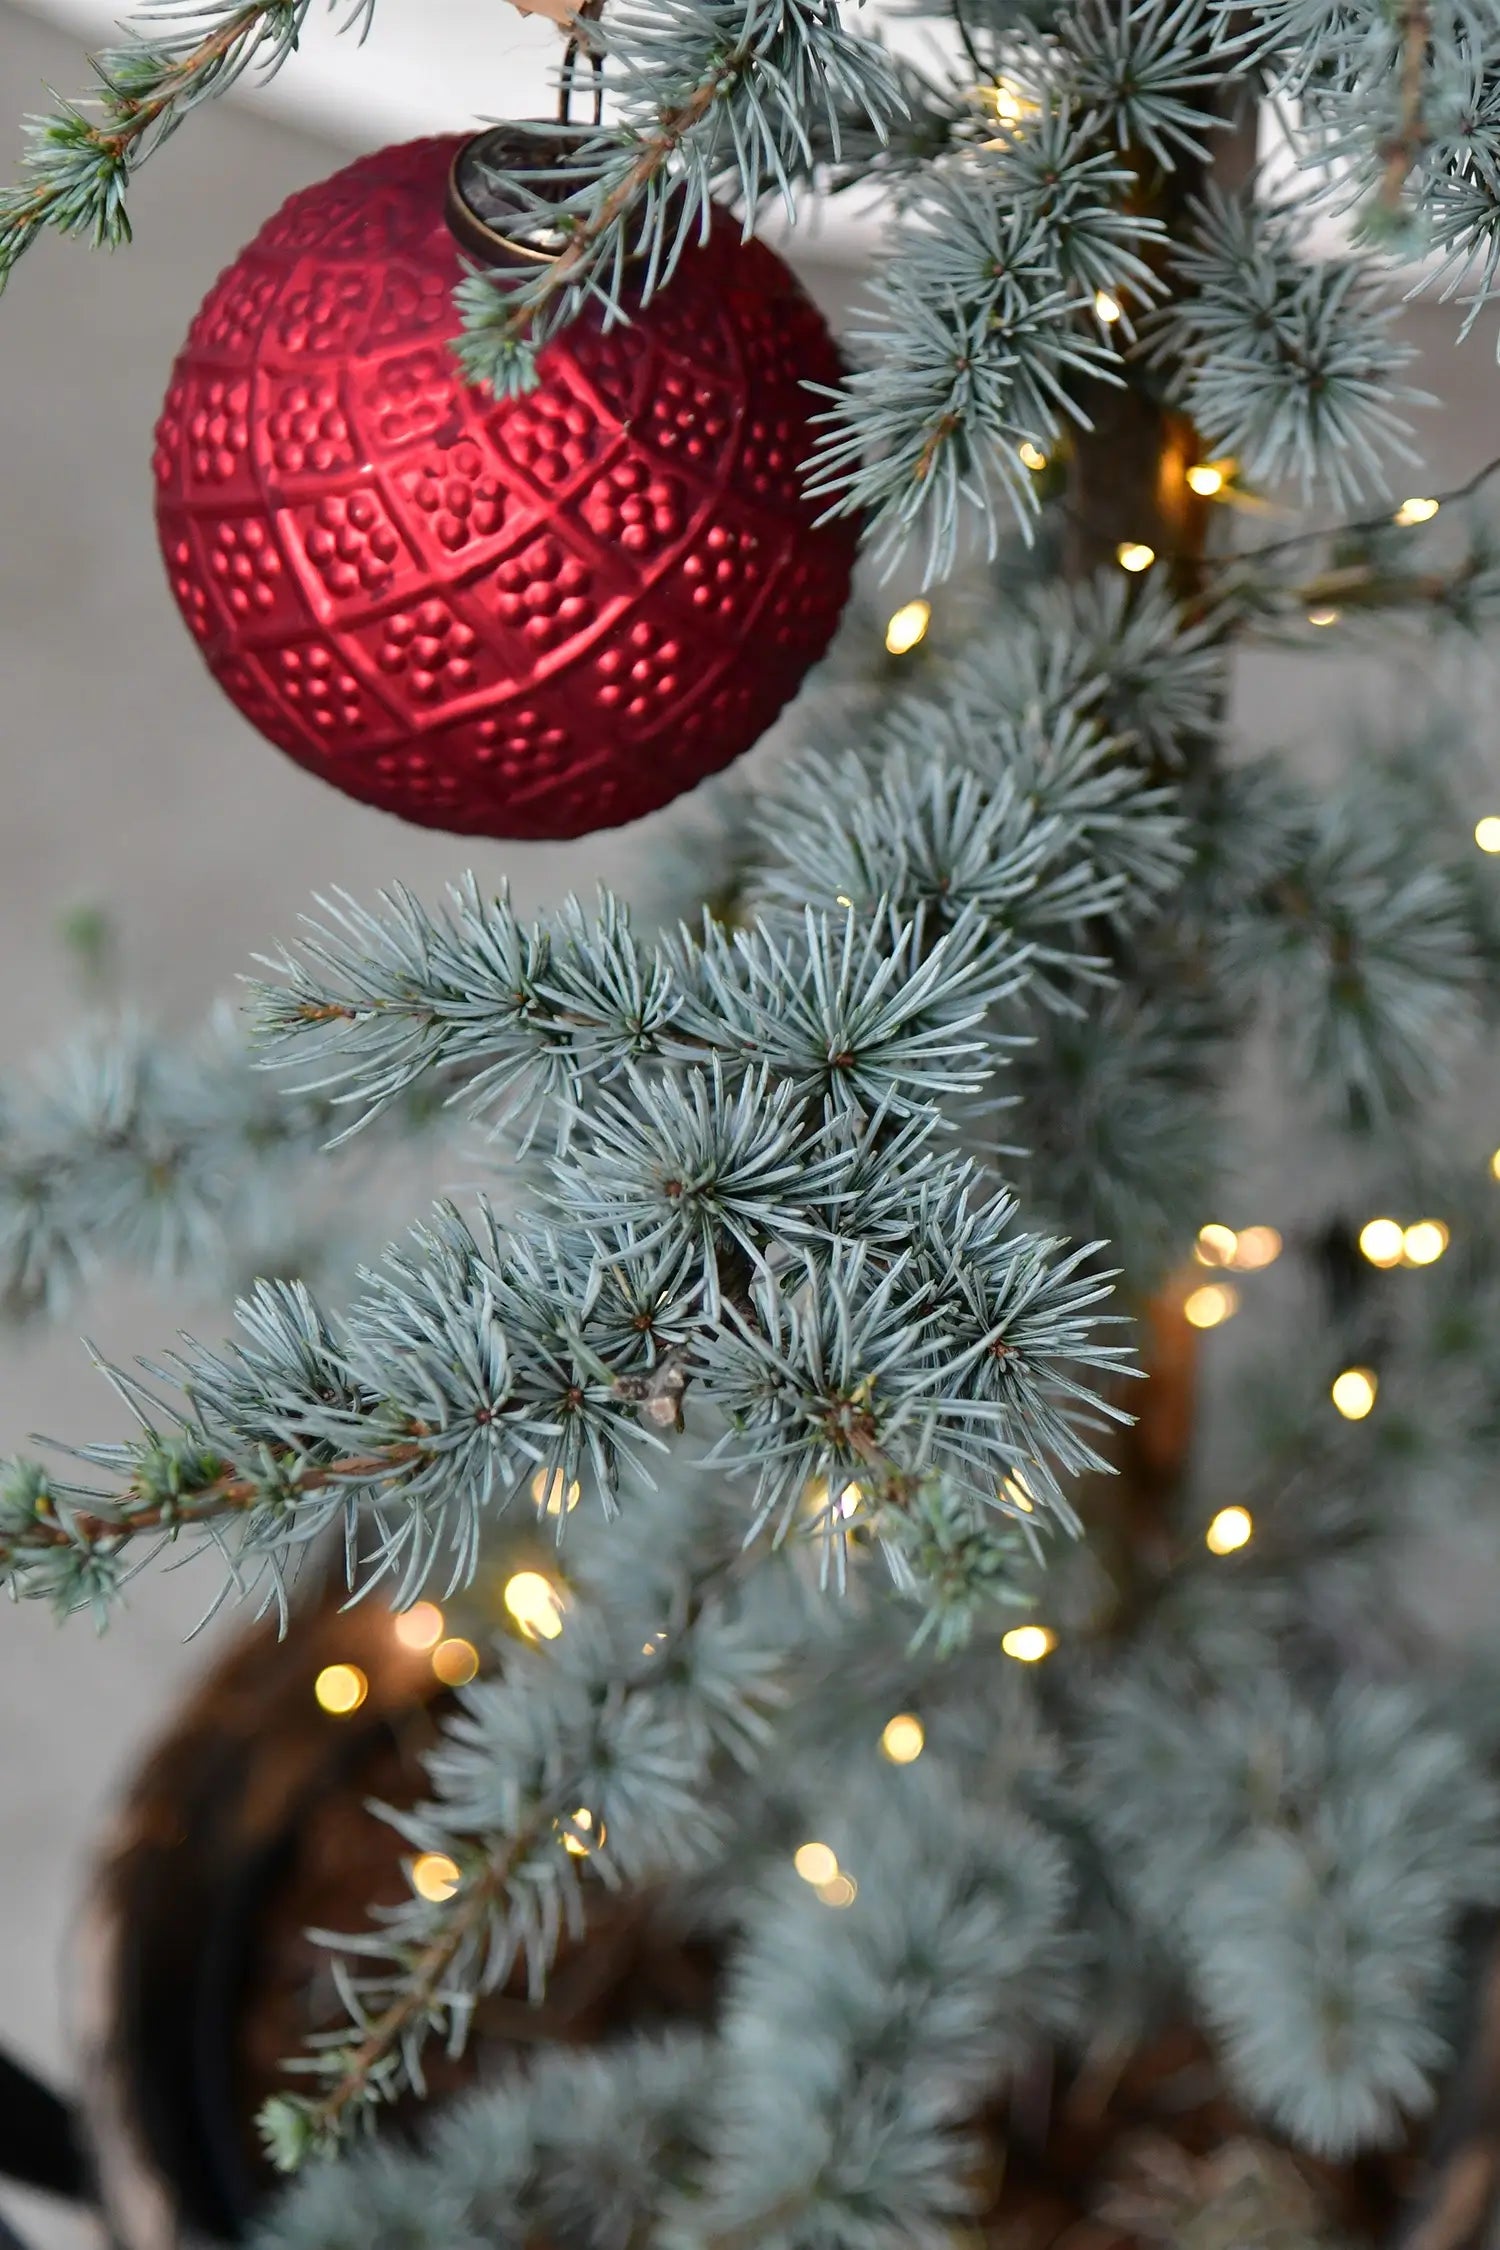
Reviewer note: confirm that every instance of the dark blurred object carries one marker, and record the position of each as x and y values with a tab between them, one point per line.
249	1824
40	2143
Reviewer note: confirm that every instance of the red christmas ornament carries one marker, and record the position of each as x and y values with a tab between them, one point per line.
525	618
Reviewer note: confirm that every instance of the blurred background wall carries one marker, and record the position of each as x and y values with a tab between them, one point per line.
129	786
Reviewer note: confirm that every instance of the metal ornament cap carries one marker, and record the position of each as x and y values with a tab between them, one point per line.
493	227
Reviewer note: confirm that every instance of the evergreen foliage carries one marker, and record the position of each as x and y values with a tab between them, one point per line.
830	1230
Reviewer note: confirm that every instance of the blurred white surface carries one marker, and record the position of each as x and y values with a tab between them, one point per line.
421	70
432	66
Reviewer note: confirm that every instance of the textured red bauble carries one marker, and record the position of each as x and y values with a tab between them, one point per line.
527	617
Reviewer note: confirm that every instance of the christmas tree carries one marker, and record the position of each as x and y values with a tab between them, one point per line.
1029	1737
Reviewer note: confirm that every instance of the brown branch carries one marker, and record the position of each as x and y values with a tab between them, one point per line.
1128	483
132	117
137	117
897	1485
653	159
1455	2201
483	1892
1410	138
329	1011
1127	478
660	1394
932	445
228	1494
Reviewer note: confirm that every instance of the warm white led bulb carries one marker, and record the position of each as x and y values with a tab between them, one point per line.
816	1863
907	627
1382	1241
1230	1530
1424	1243
535	1604
1211	1306
1028	1644
1353	1392
435	1877
903	1739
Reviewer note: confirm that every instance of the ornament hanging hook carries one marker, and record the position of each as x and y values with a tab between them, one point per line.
502	221
500	186
579	48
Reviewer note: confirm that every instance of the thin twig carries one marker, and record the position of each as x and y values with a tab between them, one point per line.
486	1888
228	1494
966	40
1371	524
481	1894
132	117
1410	138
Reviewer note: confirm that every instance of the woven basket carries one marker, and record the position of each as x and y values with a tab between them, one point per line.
248	1825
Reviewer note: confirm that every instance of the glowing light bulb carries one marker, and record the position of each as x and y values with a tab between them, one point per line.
420	1627
1004	100
1495	1165
1230	1530
1031	457
903	1739
1323	616
535	1604
1216	1245
1028	1644
1416	511
1424	1243
842	1891
1018	1492
1134	555
908	626
1382	1241
816	1863
455	1662
850	1500
582	1846
1487	833
1353	1392
554	1494
435	1876
1107	308
1205	479
1257	1247
1211	1306
340	1689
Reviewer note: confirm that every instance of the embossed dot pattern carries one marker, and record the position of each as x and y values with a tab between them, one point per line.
526	618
